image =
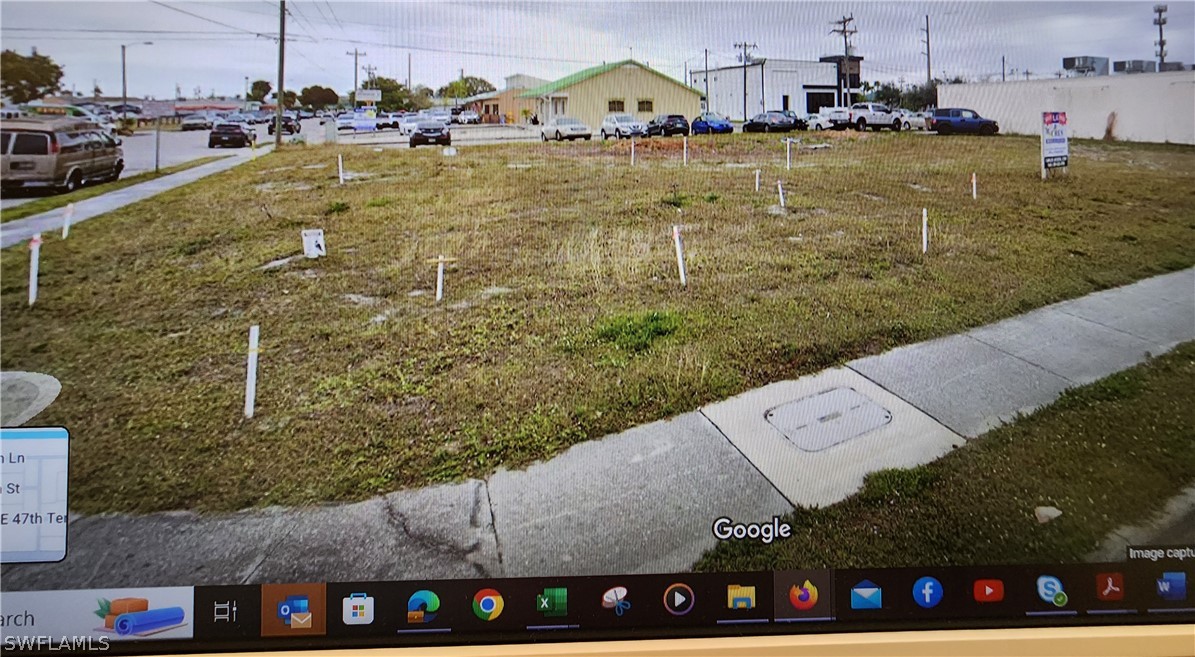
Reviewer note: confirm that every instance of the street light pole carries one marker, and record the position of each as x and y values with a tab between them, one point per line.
124	78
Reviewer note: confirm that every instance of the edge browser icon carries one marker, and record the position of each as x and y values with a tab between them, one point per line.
866	595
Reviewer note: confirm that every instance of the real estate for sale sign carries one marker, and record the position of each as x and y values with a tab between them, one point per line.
1055	150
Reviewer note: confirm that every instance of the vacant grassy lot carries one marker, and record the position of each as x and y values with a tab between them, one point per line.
1106	454
49	202
563	318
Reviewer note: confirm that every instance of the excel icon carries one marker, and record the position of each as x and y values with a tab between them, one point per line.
552	602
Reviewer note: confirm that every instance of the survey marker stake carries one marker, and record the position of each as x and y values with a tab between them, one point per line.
440	262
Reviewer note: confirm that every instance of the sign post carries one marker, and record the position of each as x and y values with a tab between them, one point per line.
1055	150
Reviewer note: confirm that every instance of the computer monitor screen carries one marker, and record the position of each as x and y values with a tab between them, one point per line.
344	324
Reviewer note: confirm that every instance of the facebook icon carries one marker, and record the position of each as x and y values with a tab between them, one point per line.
927	592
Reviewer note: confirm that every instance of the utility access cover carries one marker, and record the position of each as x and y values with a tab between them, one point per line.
827	418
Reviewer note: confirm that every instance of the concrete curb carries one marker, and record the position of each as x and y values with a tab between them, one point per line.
1175	523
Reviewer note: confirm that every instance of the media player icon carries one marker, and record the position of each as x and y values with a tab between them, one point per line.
679	599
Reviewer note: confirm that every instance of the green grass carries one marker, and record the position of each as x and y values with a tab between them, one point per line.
1107	455
44	204
143	315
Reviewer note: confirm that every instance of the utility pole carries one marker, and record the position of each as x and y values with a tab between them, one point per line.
707	80
746	57
1027	74
1003	72
369	69
846	31
929	77
281	73
357	54
1160	21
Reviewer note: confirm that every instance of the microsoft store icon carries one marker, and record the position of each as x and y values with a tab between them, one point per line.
552	602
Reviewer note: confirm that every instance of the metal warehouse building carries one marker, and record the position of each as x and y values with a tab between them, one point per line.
771	84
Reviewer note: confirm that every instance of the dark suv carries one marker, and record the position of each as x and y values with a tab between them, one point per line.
229	134
951	120
289	126
666	125
431	132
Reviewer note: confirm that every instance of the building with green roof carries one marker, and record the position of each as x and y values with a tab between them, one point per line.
626	86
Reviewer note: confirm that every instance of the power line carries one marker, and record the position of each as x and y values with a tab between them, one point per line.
203	18
108	31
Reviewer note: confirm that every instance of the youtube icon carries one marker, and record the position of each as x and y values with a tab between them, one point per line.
989	590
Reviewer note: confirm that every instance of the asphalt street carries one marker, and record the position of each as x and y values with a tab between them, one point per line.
177	147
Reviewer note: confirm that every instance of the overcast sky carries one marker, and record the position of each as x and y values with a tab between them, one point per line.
215	45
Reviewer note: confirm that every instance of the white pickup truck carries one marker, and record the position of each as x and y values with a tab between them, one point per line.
862	116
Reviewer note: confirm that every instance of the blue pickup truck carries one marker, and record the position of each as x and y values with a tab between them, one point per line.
950	120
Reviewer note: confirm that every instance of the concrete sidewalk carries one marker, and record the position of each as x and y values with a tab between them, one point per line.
644	500
19	231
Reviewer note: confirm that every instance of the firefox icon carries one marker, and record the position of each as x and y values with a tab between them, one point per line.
803	597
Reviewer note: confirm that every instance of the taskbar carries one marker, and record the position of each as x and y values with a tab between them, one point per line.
513	610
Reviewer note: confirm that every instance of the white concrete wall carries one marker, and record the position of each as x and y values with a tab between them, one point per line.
1154	107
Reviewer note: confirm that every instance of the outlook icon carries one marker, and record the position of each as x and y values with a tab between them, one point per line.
927	592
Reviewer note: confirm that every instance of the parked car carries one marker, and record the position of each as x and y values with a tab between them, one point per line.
711	123
666	125
799	123
467	117
769	122
565	127
874	116
263	116
306	114
289	126
195	122
431	132
58	153
818	122
230	134
442	115
345	121
950	120
408	124
622	126
911	120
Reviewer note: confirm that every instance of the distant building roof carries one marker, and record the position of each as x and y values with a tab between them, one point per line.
592	72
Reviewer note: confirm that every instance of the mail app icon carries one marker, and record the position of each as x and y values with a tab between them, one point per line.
866	595
300	621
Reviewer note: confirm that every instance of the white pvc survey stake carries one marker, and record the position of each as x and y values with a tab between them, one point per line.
680	256
924	230
340	167
686	140
251	373
440	262
788	154
780	191
757	180
34	260
632	151
68	215
974	188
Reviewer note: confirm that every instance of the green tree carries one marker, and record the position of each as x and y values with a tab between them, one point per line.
465	87
28	78
259	90
922	96
888	94
318	97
